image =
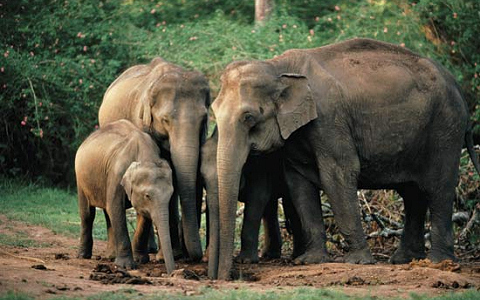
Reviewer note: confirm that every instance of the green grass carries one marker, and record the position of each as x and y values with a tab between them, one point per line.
53	208
19	239
243	294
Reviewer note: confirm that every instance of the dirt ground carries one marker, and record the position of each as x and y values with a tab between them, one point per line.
53	269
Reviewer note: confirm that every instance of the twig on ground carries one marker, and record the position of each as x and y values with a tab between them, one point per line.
475	219
386	233
37	260
461	217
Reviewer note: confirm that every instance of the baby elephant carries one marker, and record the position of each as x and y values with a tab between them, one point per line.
116	161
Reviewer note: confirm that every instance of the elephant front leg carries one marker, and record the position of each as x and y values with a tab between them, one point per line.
87	216
340	185
305	198
293	225
116	212
250	231
141	239
273	239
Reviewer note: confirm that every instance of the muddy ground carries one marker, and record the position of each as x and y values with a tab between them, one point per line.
53	269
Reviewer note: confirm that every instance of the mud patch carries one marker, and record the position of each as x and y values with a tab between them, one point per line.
68	276
110	274
446	265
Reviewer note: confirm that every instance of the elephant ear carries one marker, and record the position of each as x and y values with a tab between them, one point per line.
295	103
127	179
146	103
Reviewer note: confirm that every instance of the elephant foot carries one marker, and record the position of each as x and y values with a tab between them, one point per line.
402	256
84	254
312	257
111	253
271	254
152	249
125	262
297	251
362	256
177	254
141	258
152	246
205	256
436	256
247	258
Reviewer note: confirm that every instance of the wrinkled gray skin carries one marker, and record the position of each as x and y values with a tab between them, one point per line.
118	167
262	184
361	114
171	104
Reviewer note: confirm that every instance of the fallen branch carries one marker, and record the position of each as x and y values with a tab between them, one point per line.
475	219
461	217
37	260
388	220
386	233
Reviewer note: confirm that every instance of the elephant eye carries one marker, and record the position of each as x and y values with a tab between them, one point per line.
248	119
147	196
165	120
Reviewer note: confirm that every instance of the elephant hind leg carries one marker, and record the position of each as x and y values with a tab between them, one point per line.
440	203
412	242
87	216
440	184
111	251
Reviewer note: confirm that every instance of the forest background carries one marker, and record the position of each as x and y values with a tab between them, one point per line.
58	57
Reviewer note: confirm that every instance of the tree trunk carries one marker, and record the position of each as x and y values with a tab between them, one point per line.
263	10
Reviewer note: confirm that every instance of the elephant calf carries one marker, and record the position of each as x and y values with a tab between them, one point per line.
262	184
116	161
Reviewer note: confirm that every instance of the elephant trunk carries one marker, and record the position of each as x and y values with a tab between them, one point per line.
161	221
211	187
185	155
231	157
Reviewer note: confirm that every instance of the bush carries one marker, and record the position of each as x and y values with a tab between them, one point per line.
55	67
452	27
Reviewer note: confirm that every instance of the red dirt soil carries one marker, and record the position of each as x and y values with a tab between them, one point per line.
53	269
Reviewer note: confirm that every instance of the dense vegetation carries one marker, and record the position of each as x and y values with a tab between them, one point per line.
58	57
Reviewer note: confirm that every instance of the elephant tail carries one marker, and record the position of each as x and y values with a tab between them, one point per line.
471	151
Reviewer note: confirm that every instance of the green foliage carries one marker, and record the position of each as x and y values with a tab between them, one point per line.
55	67
452	27
58	57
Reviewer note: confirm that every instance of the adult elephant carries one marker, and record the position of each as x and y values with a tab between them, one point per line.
171	104
262	184
361	114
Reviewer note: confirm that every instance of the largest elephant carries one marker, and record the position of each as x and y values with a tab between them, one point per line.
355	114
171	104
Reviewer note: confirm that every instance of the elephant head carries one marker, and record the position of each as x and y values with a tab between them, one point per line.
171	104
149	187
257	109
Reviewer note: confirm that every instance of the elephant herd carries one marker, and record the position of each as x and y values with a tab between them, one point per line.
358	114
